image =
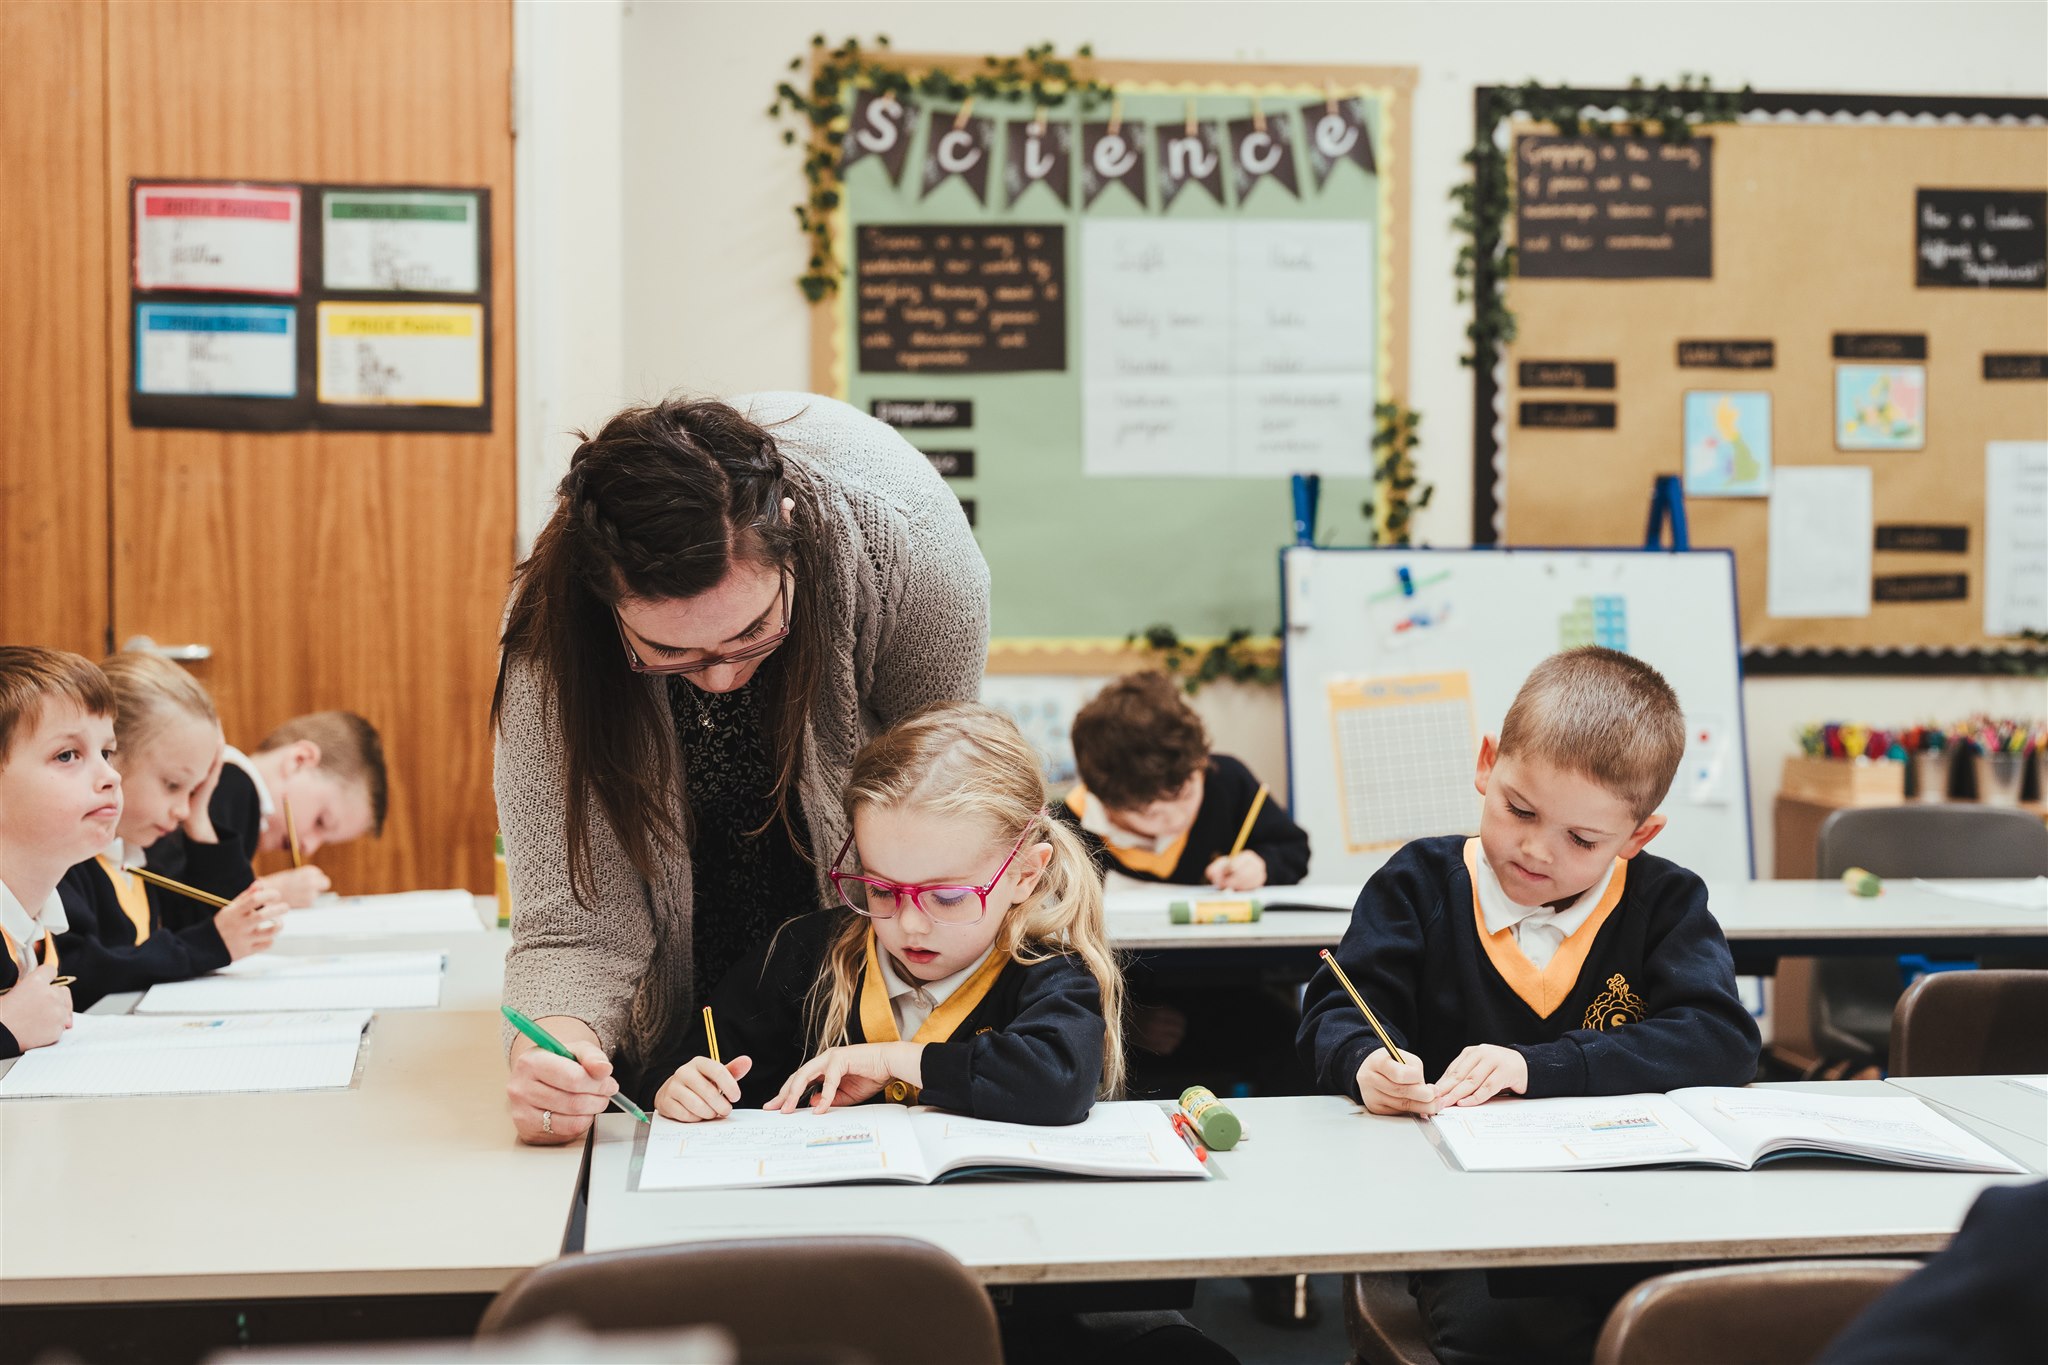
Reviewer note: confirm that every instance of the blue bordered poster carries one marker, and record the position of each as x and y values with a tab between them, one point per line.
235	350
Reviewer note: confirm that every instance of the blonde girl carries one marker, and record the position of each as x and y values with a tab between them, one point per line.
168	751
966	966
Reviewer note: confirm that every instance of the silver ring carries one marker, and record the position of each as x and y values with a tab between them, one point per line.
547	1121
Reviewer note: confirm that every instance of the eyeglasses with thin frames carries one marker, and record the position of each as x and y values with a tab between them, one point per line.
877	898
756	650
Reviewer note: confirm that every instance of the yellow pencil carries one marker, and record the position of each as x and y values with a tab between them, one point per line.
291	834
206	897
1359	1001
1258	802
711	1034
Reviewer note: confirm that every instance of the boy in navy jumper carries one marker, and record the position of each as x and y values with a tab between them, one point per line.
1547	956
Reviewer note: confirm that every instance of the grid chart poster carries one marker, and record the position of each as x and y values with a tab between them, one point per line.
1404	749
1147	320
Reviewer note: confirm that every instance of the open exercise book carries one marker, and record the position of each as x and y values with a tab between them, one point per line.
751	1147
123	1055
271	982
407	912
1709	1126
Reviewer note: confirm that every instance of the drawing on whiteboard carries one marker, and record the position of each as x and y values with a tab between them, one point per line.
1404	753
1409	607
1595	621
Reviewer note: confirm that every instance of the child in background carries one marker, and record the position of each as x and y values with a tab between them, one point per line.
60	799
969	967
1156	805
327	766
1547	956
168	752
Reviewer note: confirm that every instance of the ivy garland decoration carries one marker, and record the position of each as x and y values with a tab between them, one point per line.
819	116
1393	470
1237	657
1486	201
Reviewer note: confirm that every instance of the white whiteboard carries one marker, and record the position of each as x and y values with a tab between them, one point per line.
1389	691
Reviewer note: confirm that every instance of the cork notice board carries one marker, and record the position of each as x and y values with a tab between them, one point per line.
1786	267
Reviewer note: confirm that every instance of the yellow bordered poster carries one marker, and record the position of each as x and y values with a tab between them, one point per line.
401	354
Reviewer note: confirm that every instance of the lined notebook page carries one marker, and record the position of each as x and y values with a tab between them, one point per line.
120	1055
327	981
408	912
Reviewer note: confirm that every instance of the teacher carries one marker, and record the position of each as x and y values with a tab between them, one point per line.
728	601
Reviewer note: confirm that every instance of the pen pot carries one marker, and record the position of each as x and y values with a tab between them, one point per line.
1930	775
2000	777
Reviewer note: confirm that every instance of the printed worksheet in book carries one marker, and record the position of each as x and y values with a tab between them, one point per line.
407	912
270	982
123	1055
1709	1126
889	1142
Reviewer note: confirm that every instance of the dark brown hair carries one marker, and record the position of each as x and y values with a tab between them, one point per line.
659	505
30	676
351	750
1605	714
1138	741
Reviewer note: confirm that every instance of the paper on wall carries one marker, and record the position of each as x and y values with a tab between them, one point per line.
408	354
2015	537
1820	542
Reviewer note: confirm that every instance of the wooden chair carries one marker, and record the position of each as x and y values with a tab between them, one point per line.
1851	999
1773	1313
876	1298
1383	1323
1982	1023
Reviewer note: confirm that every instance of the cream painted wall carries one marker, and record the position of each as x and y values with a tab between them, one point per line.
665	250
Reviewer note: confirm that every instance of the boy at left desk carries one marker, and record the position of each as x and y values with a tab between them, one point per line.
60	800
327	768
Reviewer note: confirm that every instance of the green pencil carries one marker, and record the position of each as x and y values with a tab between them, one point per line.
547	1041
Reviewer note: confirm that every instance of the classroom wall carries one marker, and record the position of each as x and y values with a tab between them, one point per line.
706	243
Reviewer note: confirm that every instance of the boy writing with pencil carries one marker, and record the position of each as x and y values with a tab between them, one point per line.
1156	805
1548	956
316	780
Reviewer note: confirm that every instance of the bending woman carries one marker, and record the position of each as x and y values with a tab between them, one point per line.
727	602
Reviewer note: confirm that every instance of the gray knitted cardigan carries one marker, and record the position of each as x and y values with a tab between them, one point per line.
906	606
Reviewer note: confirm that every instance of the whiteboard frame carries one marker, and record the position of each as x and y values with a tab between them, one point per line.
1739	741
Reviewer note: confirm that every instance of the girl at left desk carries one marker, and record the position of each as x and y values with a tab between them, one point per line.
966	966
167	750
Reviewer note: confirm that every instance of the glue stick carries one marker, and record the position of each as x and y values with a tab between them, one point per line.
1235	911
1215	1124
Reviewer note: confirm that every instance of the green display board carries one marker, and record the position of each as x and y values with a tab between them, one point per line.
966	321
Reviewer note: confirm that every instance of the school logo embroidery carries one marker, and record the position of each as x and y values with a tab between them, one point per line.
1615	1006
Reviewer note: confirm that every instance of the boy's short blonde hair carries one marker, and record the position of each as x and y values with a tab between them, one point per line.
1605	714
350	751
31	676
148	690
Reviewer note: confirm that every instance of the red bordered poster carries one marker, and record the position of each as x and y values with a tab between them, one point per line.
217	238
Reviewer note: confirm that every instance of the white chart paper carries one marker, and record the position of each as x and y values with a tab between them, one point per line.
240	350
382	239
406	912
235	239
1820	542
2015	537
1235	348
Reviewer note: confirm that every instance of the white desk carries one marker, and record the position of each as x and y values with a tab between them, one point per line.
1764	920
1317	1187
2002	1102
409	1183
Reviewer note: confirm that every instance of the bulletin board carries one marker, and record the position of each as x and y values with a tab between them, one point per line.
1095	527
1862	287
1398	661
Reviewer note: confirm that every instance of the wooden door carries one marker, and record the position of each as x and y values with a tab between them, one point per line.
53	327
357	570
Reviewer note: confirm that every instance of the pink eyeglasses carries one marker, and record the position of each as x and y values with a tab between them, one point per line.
879	899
